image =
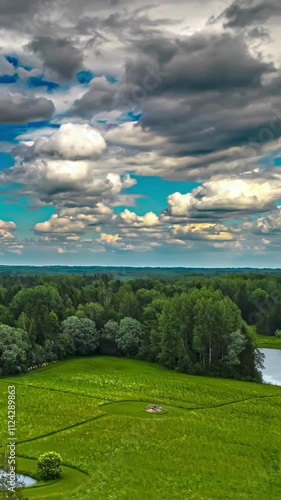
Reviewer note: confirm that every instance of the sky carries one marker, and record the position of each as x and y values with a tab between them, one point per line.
140	134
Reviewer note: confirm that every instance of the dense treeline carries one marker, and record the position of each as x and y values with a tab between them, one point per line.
195	324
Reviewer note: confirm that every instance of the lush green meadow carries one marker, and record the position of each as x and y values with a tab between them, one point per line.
216	439
268	342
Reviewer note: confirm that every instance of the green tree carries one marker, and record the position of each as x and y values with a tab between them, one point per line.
126	303
171	345
49	466
5	315
129	336
80	313
37	303
84	333
3	292
65	346
235	346
151	339
96	312
110	330
108	344
14	350
145	297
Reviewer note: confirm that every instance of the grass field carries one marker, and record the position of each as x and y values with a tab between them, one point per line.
216	439
264	341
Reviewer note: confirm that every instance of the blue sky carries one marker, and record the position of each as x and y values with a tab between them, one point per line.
128	139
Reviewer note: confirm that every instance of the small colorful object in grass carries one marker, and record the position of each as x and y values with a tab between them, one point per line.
153	409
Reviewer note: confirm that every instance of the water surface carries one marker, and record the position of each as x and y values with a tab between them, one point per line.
272	366
21	479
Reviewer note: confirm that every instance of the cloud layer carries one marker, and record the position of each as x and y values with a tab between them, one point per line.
101	101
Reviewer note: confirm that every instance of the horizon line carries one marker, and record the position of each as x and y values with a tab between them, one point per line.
136	267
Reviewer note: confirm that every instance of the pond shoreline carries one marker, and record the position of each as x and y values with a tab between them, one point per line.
21	479
272	366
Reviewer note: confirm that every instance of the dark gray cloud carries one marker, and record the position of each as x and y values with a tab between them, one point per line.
100	97
20	109
259	33
241	14
161	67
58	55
209	95
15	7
200	127
203	93
125	25
9	7
26	16
198	63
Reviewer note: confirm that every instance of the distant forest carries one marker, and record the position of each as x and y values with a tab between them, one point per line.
129	272
193	323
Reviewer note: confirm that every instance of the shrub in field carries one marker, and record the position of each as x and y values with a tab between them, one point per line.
49	466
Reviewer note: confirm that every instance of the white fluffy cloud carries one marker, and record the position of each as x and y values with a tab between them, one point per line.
131	219
270	225
71	142
211	232
225	198
108	239
7	226
100	214
59	225
8	241
61	181
66	167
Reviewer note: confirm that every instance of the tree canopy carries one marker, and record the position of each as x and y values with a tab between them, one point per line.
199	324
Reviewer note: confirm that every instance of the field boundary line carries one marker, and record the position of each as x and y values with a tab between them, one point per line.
61	390
77	424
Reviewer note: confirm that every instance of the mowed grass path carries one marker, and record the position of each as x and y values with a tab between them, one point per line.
216	439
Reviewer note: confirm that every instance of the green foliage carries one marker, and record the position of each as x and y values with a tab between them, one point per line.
84	334
110	330
96	313
265	341
126	302
202	332
194	323
235	347
108	338
49	466
37	303
14	350
5	316
129	335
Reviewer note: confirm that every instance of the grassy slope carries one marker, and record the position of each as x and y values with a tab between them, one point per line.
71	480
265	342
217	439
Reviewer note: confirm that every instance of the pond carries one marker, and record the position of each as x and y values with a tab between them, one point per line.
272	366
21	479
